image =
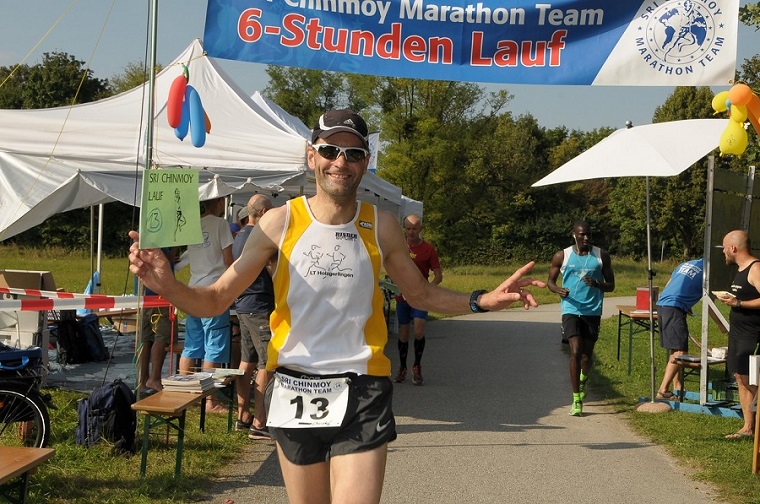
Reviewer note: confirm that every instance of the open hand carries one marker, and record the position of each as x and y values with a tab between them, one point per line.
513	290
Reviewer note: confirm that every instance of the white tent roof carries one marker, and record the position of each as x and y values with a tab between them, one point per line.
113	129
59	159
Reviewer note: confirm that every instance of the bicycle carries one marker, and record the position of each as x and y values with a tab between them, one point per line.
24	416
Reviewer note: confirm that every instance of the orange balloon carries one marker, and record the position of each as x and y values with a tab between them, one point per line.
753	112
208	122
740	94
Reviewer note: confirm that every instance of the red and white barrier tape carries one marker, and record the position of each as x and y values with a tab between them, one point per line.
48	294
91	302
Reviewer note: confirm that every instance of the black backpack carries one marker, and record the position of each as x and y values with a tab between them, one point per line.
107	414
71	343
96	347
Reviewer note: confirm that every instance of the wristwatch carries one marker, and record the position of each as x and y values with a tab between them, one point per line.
474	307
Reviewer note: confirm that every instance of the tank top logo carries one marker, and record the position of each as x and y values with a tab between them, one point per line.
346	236
329	263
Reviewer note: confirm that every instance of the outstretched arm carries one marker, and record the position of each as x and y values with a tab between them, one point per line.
426	296
152	267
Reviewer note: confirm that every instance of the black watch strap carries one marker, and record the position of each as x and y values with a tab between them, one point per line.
474	307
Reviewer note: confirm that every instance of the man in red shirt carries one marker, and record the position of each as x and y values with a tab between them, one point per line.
425	257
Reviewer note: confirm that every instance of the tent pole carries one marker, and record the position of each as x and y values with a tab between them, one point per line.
92	249
706	258
148	149
99	260
151	84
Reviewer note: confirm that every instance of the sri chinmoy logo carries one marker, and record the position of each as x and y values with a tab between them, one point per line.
680	35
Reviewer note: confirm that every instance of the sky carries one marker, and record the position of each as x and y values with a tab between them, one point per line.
109	34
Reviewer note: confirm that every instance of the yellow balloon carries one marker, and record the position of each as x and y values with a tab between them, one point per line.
734	139
719	101
738	113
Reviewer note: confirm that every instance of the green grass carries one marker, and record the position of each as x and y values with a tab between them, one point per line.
78	475
71	269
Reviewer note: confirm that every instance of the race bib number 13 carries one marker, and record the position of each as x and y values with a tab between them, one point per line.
307	402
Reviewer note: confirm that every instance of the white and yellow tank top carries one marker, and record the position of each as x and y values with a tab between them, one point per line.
328	315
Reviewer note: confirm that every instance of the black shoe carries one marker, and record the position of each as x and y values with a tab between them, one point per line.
243	426
254	433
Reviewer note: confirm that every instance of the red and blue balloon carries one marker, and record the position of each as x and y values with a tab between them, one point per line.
184	111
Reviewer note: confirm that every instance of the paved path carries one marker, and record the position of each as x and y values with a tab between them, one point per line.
491	425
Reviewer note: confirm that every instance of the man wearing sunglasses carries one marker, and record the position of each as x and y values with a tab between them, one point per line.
329	402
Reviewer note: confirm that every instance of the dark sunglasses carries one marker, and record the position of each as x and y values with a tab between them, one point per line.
332	152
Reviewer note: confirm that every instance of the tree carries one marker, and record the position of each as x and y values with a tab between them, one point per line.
677	204
134	75
306	93
60	80
750	14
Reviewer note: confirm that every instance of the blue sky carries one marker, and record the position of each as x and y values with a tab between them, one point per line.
109	34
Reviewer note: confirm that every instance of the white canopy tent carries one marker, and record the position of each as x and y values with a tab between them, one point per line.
59	159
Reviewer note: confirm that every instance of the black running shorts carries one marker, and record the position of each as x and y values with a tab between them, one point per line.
585	326
368	423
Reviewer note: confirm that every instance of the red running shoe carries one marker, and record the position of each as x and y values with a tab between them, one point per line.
417	375
401	376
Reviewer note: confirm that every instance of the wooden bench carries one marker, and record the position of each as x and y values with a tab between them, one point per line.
691	364
16	463
169	408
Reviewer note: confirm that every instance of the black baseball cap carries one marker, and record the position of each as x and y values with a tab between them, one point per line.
338	120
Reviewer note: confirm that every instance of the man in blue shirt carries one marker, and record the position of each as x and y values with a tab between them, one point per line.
253	307
586	275
682	291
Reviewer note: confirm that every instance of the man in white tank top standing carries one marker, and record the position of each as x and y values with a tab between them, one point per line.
329	403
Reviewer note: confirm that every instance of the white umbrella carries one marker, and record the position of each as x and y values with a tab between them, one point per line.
654	150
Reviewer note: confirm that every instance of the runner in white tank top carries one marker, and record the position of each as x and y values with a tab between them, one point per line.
334	423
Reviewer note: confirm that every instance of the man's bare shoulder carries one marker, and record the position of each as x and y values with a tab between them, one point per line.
386	219
272	223
754	266
389	231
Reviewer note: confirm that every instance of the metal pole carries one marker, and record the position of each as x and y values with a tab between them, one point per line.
706	258
151	84
650	274
96	282
148	140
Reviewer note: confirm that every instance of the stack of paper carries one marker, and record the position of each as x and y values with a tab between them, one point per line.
195	382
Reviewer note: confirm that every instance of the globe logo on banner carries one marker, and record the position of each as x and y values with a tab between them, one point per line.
681	34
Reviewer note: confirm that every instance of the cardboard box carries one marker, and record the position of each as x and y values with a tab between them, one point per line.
27	279
22	279
642	297
124	322
31	328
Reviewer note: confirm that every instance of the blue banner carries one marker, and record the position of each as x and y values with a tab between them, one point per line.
584	42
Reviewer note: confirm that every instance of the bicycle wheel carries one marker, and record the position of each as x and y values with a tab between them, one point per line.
24	418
